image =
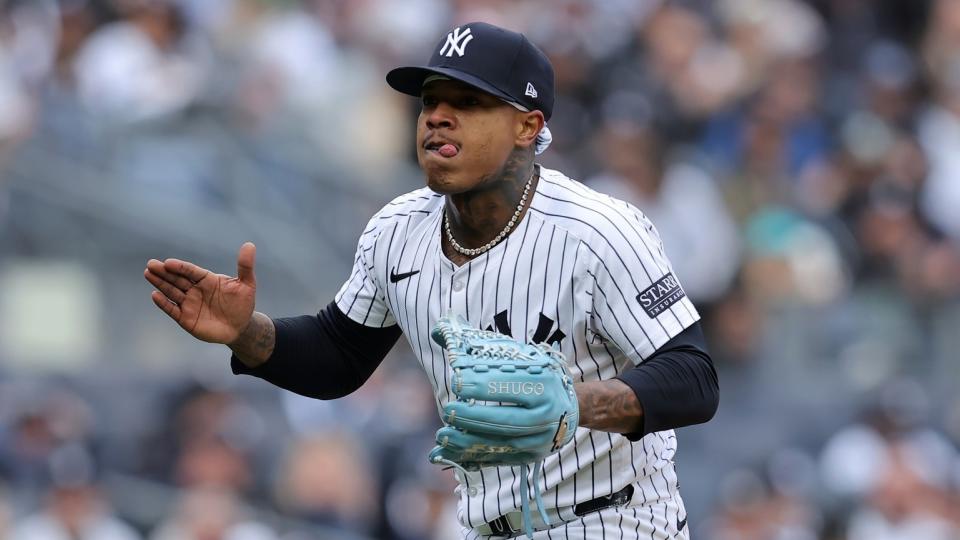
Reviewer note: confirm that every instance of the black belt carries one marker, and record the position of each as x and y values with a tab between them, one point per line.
619	498
501	525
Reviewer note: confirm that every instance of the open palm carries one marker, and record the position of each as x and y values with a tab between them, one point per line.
212	307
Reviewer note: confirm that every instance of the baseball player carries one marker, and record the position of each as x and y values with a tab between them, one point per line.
497	242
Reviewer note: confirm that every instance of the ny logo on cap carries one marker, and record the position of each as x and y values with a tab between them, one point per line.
456	42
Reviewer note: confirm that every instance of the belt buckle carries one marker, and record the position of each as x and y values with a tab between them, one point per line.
501	526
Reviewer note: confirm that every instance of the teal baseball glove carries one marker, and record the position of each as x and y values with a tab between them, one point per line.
514	403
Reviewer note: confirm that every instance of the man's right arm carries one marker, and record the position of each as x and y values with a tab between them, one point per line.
323	356
255	344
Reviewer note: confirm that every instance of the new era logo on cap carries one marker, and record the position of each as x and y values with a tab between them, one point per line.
456	42
530	91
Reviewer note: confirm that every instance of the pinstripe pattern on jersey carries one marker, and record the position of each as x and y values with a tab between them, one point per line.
653	521
572	269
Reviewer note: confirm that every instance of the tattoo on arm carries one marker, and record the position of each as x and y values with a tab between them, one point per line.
255	344
609	406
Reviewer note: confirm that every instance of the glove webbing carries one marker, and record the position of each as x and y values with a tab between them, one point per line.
524	493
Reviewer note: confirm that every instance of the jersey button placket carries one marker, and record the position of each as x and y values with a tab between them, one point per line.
458	285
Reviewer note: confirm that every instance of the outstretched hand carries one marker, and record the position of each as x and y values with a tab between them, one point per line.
211	307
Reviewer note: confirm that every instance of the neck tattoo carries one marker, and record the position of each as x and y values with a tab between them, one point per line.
496	240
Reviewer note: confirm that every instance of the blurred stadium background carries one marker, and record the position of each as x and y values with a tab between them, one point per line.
801	160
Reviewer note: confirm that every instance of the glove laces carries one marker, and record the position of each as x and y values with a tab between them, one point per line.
524	493
525	498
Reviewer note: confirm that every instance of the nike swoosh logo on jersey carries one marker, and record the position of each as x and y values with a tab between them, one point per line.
395	277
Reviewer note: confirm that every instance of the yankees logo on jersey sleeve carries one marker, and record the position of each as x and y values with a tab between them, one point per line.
582	271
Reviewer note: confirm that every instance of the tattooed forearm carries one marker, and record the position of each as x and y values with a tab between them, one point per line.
609	406
255	344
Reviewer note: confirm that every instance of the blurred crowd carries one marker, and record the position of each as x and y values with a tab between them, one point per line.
800	159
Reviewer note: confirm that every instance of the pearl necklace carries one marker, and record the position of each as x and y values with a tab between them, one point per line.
486	247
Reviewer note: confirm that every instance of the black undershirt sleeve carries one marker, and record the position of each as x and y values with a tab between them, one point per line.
677	385
323	356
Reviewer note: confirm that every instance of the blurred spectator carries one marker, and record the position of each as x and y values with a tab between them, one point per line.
735	329
904	505
682	55
28	37
75	509
754	507
939	128
413	25
210	514
209	442
145	65
790	259
212	462
78	20
6	513
296	76
892	428
294	59
766	33
327	479
419	505
939	133
890	76
764	147
43	422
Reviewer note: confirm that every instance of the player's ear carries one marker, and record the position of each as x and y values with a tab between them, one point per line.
528	127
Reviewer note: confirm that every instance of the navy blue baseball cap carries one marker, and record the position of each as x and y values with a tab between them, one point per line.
493	59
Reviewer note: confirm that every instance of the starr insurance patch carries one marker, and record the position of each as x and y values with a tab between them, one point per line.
658	297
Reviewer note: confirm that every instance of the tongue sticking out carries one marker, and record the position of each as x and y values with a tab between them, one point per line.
448	150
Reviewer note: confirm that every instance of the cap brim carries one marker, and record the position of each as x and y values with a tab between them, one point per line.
409	80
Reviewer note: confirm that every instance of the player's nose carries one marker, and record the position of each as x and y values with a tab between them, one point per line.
441	116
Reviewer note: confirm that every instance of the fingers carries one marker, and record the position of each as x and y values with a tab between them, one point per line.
447	332
496	419
462	441
246	260
168	289
157	268
185	269
442	331
474	460
172	286
166	305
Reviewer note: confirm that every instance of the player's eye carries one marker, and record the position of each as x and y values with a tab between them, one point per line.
469	101
428	101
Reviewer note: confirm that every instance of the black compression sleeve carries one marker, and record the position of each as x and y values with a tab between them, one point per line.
677	386
325	356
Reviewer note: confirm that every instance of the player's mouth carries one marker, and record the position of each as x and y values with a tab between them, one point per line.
443	148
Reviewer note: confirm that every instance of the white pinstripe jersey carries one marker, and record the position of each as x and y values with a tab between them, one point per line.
583	270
